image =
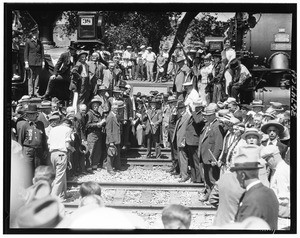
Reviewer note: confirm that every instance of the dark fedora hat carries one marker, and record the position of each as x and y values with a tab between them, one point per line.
180	105
32	108
72	45
234	63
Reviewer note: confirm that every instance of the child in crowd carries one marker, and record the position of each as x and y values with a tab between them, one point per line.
176	216
88	188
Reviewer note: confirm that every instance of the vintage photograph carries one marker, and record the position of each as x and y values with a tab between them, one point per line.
149	117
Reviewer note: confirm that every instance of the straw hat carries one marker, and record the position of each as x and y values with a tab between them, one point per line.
265	127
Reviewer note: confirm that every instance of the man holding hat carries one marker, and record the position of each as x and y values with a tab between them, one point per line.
204	84
150	60
113	140
32	137
191	94
258	200
62	69
34	59
280	179
94	129
193	129
180	76
179	140
210	148
110	77
274	129
153	119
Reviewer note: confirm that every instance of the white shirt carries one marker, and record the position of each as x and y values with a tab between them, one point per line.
191	98
58	137
252	184
280	181
126	55
150	57
204	72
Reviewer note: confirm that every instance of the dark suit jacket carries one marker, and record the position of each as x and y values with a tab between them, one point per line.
64	64
43	119
95	73
179	136
212	140
261	202
194	128
113	134
82	120
34	53
282	148
156	118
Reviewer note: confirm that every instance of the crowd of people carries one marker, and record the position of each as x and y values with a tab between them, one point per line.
241	152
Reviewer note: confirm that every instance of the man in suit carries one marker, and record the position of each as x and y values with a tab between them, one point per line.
113	140
94	125
193	129
173	117
81	118
95	73
210	148
258	200
34	59
153	119
43	116
80	79
179	138
110	78
274	129
62	69
32	137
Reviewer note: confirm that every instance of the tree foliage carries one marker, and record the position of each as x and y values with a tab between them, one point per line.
206	26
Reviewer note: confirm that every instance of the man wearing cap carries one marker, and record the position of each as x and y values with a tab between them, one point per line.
179	139
280	179
95	73
153	121
80	82
173	116
210	148
95	125
45	108
240	76
34	59
127	63
274	129
218	75
150	60
160	70
180	76
59	145
128	116
53	122
32	136
144	53
258	200
62	69
140	73
229	140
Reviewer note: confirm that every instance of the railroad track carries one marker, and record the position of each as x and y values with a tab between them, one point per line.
145	196
142	197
